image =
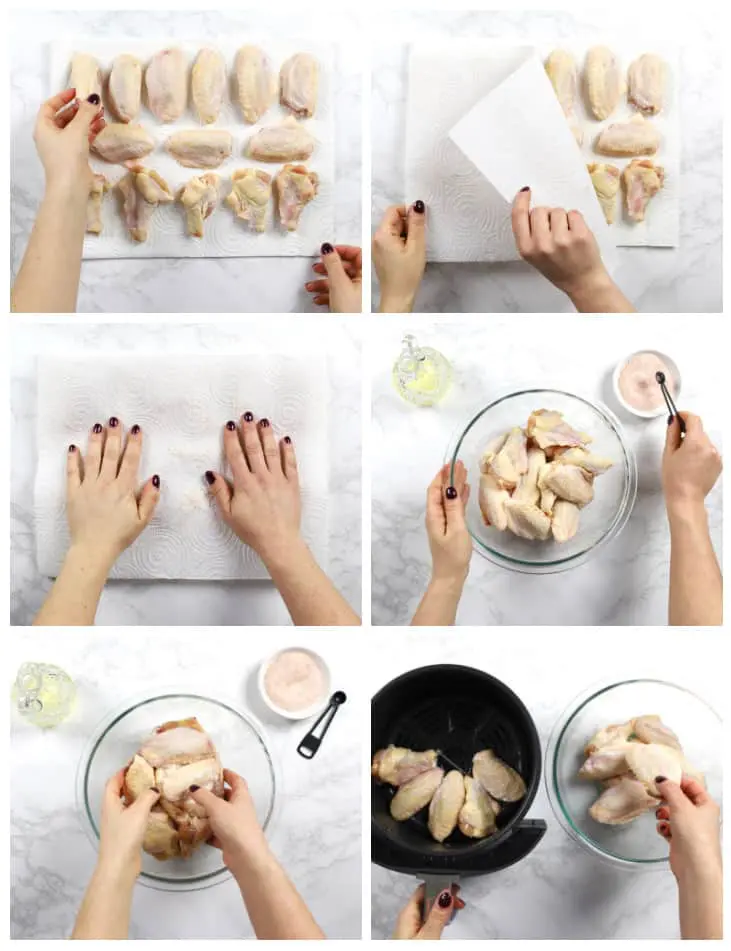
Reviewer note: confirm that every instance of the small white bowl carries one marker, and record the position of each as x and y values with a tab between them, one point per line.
307	712
662	410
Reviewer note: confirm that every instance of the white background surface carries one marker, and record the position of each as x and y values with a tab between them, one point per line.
170	603
559	890
687	278
187	286
316	833
625	582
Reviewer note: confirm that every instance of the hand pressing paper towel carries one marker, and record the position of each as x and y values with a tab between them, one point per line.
182	404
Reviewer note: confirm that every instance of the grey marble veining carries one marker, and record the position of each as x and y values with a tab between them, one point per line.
175	603
625	582
316	834
676	280
559	891
222	285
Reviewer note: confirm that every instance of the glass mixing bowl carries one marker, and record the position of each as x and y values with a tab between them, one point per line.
240	742
698	727
601	520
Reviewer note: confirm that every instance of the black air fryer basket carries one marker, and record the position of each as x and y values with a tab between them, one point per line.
458	711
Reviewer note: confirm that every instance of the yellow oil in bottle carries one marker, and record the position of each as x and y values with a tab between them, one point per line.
421	375
43	694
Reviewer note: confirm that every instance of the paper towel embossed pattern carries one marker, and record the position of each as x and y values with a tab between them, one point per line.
182	404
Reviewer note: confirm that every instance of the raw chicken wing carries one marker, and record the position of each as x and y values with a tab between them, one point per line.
295	187
491	450
199	198
637	136
478	815
605	179
256	82
571	483
200	148
414	795
547	428
142	190
603	81
565	521
641	180
298	81
527	489
251	190
606	763
501	781
577	456
125	87
287	142
85	76
648	760
492	501
651	729
615	735
511	462
397	765
119	143
166	82
208	84
647	76
561	69
446	805
622	802
527	521
99	187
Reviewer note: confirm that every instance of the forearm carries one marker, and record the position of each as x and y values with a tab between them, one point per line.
439	605
701	907
696	586
48	281
599	296
396	304
105	910
276	910
74	597
310	596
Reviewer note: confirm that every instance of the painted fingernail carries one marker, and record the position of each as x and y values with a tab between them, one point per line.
525	188
661	779
264	423
72	448
210	478
230	425
670	420
113	421
419	206
97	428
249	417
194	788
309	285
156	481
135	429
94	99
288	440
327	248
445	899
451	492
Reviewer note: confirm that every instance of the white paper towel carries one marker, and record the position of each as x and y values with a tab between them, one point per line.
182	404
224	234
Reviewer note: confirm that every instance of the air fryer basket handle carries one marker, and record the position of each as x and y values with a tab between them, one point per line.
434	885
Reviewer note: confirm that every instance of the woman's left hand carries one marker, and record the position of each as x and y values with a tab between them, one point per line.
342	287
410	926
449	539
63	141
123	828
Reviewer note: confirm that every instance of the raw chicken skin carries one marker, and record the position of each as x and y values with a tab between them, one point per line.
614	735
256	82
491	450
527	489
99	187
527	521
492	501
641	180
396	765
647	77
511	462
125	87
119	143
477	818
605	179
565	521
208	85
298	82
199	197
606	763
561	70
603	81
547	428
578	456
287	142
295	187
414	795
501	781
142	190
637	136
622	802
446	805
251	190
85	76
200	148
166	82
571	483
651	729
648	760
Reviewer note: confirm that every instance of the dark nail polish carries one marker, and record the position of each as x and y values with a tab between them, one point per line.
263	423
525	188
660	779
249	417
72	448
419	207
210	478
327	248
445	899
451	492
156	481
97	428
194	788
135	429
670	420
230	425
154	789
94	99
113	421
288	440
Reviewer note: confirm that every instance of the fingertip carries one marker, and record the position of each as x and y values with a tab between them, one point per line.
155	480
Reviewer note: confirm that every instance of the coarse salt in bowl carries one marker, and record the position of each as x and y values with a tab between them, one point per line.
294	683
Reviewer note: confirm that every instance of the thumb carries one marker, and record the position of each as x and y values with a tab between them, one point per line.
438	917
205	798
416	232
149	498
333	267
453	507
146	800
671	793
84	117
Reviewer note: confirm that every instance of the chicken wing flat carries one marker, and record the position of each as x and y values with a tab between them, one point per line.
295	187
119	142
478	816
99	187
648	760
613	735
526	520
641	180
200	148
124	88
605	179
199	197
251	192
647	77
142	190
651	729
298	83
501	781
564	521
527	489
603	81
85	76
578	456
397	765
256	82
414	795
208	84
606	763
637	136
166	82
561	70
287	142
571	483
622	802
547	428
492	499
511	461
446	805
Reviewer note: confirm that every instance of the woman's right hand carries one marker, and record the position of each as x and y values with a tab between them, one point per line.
236	830
410	926
63	142
690	466
262	503
399	256
689	821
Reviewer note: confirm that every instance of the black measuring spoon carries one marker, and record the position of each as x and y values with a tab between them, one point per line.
311	743
660	377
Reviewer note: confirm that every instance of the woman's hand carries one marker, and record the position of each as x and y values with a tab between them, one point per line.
342	287
410	926
399	256
689	822
449	540
63	142
236	830
105	511
122	828
690	466
262	502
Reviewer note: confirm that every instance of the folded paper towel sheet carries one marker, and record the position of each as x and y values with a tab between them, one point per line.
182	404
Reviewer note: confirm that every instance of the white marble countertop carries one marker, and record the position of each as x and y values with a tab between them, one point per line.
214	285
625	582
317	831
687	278
559	891
166	602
